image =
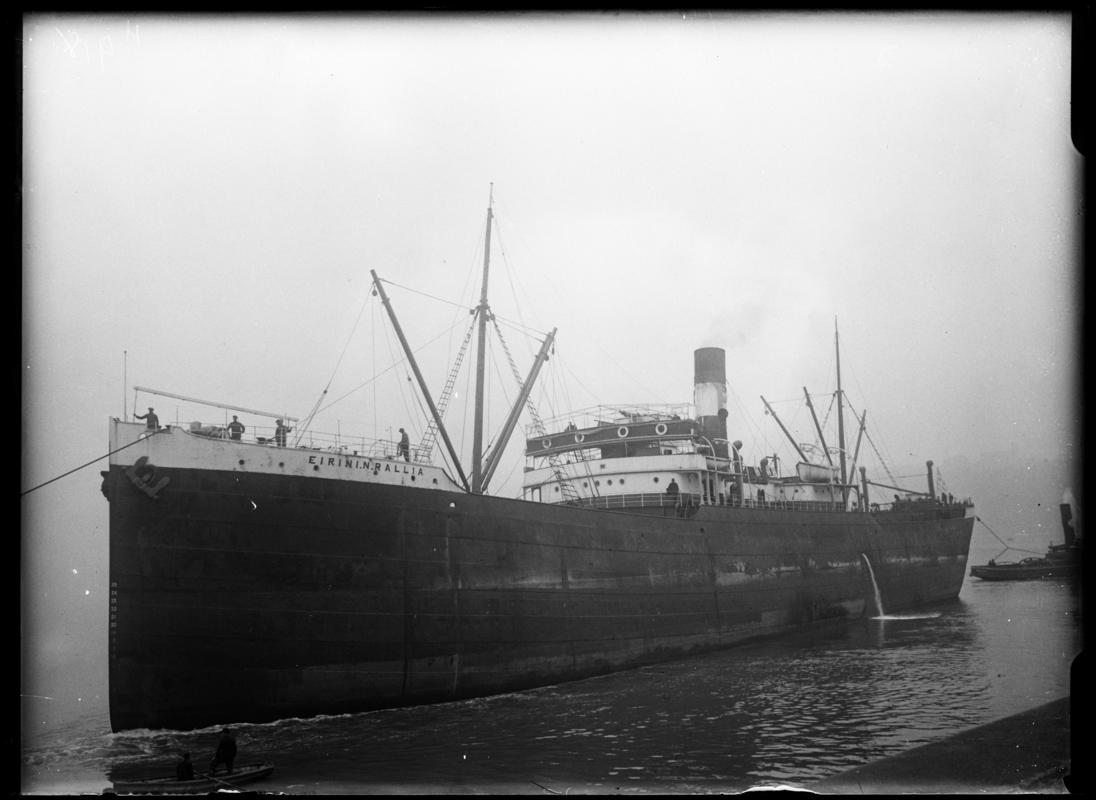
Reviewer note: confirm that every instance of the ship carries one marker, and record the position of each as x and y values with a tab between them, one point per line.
255	578
1061	560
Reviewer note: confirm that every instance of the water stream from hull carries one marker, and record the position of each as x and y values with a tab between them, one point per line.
880	613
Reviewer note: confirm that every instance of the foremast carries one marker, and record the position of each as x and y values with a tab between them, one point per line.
483	467
482	310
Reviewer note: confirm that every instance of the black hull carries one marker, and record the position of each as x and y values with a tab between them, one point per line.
251	597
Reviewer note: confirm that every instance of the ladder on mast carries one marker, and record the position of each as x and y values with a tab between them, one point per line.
425	450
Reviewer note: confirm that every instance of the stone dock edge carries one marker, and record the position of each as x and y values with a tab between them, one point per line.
1027	752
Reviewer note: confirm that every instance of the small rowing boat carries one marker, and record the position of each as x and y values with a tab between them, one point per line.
201	783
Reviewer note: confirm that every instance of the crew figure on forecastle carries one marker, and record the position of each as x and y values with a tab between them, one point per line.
153	422
279	433
235	428
404	448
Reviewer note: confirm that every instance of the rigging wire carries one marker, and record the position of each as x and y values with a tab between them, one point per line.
860	391
879	456
463	306
303	427
609	356
400	384
510	274
395	364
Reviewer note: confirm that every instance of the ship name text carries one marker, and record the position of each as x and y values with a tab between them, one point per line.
347	462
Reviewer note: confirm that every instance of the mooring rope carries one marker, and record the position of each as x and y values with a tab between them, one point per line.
77	469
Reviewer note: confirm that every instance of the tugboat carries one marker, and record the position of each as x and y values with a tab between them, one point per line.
1060	561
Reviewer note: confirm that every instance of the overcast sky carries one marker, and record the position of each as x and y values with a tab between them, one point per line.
204	198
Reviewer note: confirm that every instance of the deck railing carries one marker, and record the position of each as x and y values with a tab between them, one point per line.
312	440
644	500
689	500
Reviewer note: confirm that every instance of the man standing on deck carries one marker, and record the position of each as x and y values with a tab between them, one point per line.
153	423
279	434
404	448
235	428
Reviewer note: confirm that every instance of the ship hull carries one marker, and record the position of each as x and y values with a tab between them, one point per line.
248	597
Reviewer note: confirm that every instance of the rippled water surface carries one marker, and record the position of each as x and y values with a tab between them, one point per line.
788	711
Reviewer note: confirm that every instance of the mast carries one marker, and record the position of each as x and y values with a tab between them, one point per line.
840	418
482	310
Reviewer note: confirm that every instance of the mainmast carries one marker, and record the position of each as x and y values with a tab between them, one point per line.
482	310
840	418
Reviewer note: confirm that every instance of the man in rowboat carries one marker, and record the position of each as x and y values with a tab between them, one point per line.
184	770
226	752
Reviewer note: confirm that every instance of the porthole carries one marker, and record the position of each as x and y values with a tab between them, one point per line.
315	467
281	463
435	481
585	485
610	481
622	431
656	479
241	462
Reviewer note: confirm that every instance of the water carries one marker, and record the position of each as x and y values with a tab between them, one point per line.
788	711
880	614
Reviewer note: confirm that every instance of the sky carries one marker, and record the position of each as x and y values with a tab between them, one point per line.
204	198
